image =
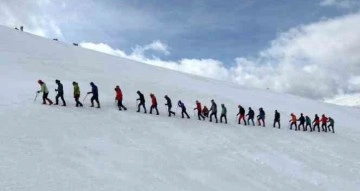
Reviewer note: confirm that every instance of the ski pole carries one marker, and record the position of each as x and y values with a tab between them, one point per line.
85	97
36	96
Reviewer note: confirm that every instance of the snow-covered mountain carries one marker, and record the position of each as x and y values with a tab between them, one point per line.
68	148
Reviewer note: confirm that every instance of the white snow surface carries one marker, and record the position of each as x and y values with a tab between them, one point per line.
45	148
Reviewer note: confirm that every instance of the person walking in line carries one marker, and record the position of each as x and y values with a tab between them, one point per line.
261	117
60	93
77	94
169	105
141	100
277	119
213	111
223	113
331	124
302	122
119	98
95	95
183	109
293	121
205	111
198	108
308	123
324	121
251	115
242	114
153	104
316	123
45	92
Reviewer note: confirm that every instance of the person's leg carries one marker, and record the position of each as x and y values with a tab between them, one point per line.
139	107
122	106
199	114
119	105
225	119
97	101
169	111
252	120
211	114
57	99
187	115
157	111
63	100
92	101
151	108
216	119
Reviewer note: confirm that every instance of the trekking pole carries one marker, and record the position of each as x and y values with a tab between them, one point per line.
85	97
36	96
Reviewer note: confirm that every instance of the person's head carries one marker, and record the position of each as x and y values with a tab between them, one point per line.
138	92
151	95
222	105
165	96
212	101
276	111
74	83
323	115
40	82
57	81
197	101
249	108
316	115
306	116
179	101
92	84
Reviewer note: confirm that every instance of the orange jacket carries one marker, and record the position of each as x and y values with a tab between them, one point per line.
293	118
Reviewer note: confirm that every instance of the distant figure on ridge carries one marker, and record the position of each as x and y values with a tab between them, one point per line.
45	92
77	94
198	108
119	98
60	93
223	113
142	101
95	95
153	104
183	109
169	105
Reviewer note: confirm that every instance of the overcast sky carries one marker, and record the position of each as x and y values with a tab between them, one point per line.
309	48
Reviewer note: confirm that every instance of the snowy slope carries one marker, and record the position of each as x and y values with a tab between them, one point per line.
56	148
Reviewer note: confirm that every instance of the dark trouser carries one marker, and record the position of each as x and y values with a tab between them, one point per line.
316	125
154	107
242	117
45	98
308	124
120	105
303	126
252	120
215	115
223	116
323	126
206	114
143	105
332	126
184	112
96	99
200	116
78	103
276	121
170	112
260	119
59	95
293	123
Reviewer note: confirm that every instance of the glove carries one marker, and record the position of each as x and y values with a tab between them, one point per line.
38	91
56	90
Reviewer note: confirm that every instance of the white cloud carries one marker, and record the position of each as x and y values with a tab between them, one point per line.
341	3
318	60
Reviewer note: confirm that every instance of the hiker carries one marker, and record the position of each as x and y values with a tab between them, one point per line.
169	105
45	92
183	109
324	121
198	108
153	104
277	119
142	101
308	123
251	115
261	117
119	98
213	110
205	111
60	93
302	122
242	114
223	113
77	94
331	124
95	95
293	121
316	123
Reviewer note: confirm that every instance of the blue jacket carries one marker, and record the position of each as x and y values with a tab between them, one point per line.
94	90
181	105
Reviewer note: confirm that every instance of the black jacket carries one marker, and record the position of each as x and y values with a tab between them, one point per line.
277	116
241	111
251	114
141	97
60	88
168	102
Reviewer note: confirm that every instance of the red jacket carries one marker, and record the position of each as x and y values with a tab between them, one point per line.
153	100
198	106
324	119
119	95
